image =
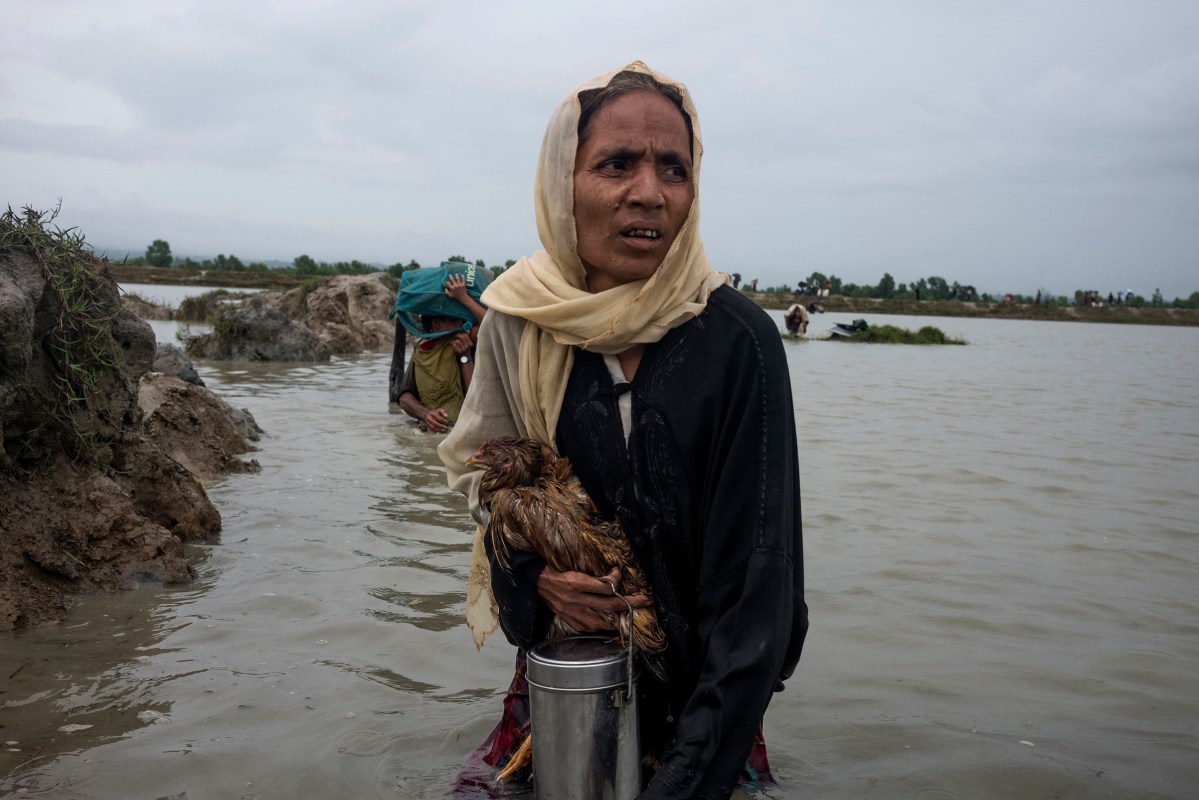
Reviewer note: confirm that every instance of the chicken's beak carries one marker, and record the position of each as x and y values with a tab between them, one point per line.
476	459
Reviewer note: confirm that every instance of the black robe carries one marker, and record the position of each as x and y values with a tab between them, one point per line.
707	490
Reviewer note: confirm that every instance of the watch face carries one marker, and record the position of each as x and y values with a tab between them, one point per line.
464	359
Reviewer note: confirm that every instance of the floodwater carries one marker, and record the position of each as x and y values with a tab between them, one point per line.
171	296
1002	546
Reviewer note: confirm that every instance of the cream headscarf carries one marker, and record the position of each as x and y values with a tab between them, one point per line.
518	387
549	290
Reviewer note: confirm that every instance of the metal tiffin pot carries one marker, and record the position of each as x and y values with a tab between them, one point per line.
583	708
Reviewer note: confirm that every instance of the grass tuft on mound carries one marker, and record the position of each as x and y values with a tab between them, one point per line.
83	301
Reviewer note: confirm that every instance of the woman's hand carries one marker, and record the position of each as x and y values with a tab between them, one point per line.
585	603
437	420
462	344
455	287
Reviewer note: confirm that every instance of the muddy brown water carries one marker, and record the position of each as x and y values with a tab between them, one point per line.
1002	548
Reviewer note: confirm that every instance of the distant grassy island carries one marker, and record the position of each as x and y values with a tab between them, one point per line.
889	334
1128	315
1132	315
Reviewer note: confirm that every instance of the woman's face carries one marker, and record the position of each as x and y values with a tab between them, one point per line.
632	188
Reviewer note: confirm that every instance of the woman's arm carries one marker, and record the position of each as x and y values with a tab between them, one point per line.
455	287
751	618
409	402
487	412
489	408
464	350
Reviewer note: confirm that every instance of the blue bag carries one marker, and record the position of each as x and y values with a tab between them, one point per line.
422	293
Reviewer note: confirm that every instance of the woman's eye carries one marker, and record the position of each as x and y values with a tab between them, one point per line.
613	164
677	171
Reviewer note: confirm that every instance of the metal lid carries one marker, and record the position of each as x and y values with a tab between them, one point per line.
577	664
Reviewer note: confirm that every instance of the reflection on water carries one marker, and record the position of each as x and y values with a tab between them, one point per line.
50	704
1002	542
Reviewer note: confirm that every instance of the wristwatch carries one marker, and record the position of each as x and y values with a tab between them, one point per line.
463	359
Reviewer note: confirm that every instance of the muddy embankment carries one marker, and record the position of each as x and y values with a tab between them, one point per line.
107	439
340	315
103	461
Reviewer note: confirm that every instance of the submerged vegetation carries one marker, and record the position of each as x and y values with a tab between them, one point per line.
890	334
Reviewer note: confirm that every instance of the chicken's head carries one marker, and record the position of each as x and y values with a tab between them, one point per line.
507	462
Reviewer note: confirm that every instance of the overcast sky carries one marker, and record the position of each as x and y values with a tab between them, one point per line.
1009	145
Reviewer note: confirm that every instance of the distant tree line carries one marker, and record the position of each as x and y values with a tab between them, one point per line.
158	254
935	287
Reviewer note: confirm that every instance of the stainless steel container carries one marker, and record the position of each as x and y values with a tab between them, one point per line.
583	703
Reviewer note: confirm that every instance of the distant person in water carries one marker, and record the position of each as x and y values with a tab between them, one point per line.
438	375
441	368
796	320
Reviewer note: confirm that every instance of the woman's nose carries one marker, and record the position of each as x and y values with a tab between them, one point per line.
646	188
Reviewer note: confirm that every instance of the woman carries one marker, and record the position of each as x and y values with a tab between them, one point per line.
669	393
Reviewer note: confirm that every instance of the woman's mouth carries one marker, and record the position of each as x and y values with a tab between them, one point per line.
641	237
642	233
